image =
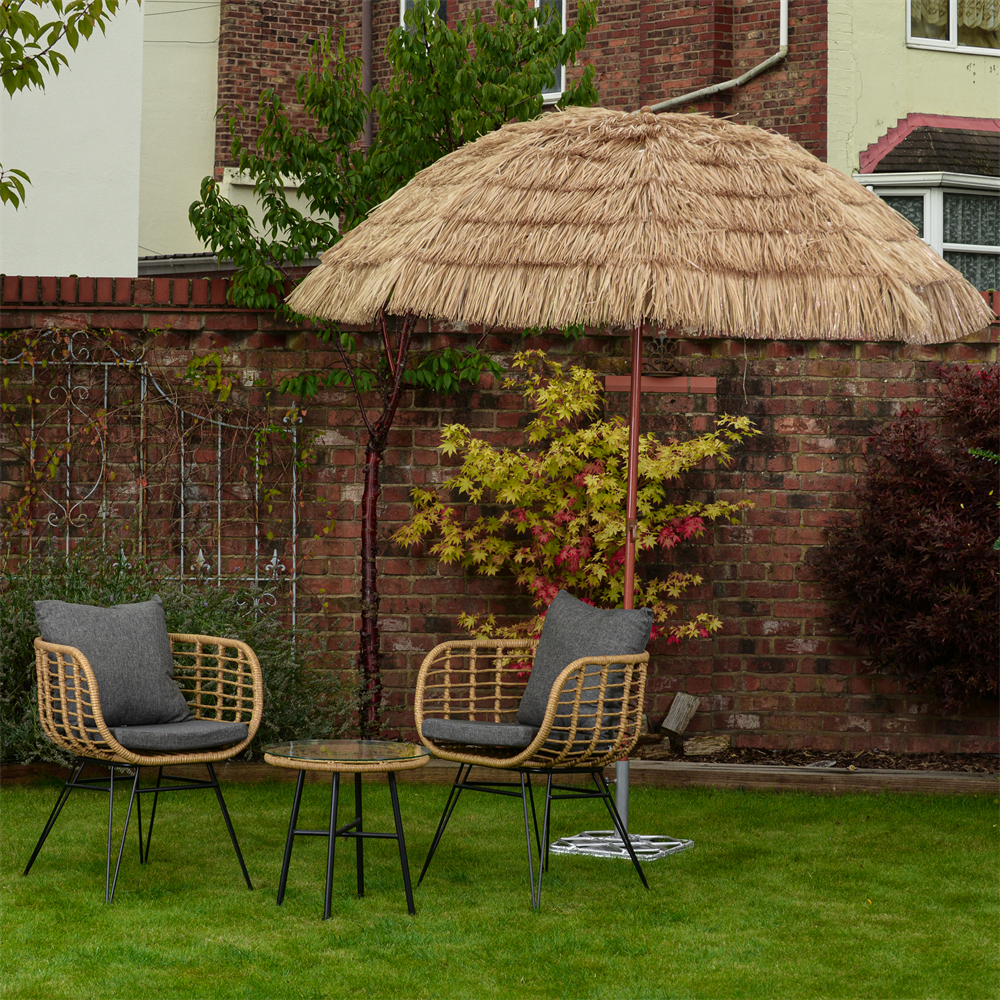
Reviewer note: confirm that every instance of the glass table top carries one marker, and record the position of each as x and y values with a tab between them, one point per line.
347	751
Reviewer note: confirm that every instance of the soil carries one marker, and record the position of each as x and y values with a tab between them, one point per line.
988	763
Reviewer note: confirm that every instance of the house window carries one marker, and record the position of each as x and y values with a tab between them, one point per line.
405	5
910	207
971	224
555	87
957	214
957	25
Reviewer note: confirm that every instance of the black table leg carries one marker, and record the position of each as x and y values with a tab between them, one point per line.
401	842
328	900
359	842
291	836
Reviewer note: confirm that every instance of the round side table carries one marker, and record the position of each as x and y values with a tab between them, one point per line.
355	757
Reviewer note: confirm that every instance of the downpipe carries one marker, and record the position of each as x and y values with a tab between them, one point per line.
717	88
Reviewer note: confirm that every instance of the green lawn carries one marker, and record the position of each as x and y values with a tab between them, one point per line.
784	895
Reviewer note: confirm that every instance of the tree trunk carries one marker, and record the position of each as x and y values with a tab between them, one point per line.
368	656
370	709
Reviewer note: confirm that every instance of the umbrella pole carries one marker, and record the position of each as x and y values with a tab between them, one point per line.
631	533
632	481
608	844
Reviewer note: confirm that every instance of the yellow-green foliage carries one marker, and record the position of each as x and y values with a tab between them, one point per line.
561	516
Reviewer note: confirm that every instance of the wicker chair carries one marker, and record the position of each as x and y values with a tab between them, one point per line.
220	680
467	697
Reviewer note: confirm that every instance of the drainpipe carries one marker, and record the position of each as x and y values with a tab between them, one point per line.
740	80
366	61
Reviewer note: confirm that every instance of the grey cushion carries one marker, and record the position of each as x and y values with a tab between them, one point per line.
573	629
129	649
484	734
194	734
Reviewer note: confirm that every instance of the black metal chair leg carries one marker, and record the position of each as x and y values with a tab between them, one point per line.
283	881
449	808
110	898
402	843
619	825
534	815
359	841
547	819
229	825
527	839
138	816
152	816
331	844
64	794
543	854
111	813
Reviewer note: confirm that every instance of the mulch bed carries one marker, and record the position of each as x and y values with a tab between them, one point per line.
982	763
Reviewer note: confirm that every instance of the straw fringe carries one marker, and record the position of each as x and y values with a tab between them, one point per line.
593	216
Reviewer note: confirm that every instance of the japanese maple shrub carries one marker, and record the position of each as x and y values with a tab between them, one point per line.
913	574
553	512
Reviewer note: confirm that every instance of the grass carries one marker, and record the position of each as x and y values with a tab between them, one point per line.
784	895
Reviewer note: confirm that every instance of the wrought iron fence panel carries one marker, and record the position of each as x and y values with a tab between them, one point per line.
98	444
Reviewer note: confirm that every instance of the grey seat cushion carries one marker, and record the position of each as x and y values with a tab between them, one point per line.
485	734
193	734
129	649
574	629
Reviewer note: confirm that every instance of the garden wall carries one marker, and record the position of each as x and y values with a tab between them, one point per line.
774	677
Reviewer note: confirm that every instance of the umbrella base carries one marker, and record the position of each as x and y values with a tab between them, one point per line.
607	844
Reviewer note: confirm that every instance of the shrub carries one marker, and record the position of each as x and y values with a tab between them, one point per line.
913	573
560	520
298	702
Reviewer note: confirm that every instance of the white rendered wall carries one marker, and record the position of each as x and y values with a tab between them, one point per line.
874	79
179	100
78	140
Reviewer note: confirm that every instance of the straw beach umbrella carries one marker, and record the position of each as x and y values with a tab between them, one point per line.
612	220
598	217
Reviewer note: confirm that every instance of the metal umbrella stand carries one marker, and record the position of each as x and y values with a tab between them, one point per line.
612	220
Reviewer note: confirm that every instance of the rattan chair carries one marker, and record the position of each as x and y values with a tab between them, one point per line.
471	691
221	682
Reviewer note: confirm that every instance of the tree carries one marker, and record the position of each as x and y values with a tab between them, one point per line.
28	51
554	513
449	85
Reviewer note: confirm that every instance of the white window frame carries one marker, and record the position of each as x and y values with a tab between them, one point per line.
552	96
934	186
403	9
949	44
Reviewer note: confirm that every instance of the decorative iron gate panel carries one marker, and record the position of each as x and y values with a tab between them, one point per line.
97	444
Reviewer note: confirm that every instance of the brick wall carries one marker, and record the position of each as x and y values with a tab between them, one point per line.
265	44
643	53
774	677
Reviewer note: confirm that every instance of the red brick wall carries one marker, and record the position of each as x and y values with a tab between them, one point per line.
265	44
642	53
774	677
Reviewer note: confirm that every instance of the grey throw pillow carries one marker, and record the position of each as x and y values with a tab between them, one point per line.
129	649
573	629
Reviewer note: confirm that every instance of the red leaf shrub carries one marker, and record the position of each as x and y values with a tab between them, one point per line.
913	573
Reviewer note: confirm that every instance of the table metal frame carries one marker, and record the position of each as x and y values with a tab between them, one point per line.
353	830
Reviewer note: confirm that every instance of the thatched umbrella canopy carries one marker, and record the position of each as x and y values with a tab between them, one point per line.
610	219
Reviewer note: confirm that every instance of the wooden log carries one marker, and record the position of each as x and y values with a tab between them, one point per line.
696	745
682	710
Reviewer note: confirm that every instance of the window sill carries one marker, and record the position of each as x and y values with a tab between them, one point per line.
930	46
